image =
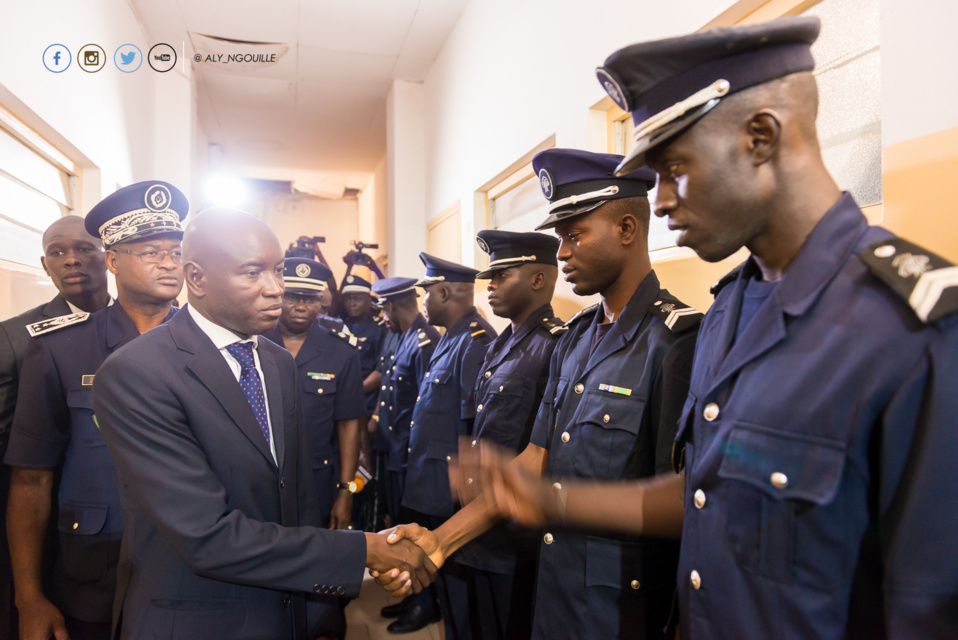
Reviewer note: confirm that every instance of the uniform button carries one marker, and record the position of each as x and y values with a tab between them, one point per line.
501	387
779	480
579	388
473	443
390	428
487	375
427	374
384	387
76	524
319	390
479	408
409	450
418	398
696	580
547	538
699	498
605	418
390	408
635	584
448	458
711	411
390	388
282	483
436	380
565	436
557	486
382	404
392	357
400	378
412	423
325	461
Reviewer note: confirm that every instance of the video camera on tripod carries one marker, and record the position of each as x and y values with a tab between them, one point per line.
357	257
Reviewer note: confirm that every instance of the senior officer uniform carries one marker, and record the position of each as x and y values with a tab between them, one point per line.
445	411
609	412
400	388
54	424
330	383
817	471
512	379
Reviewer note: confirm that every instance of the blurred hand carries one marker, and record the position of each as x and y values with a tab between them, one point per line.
341	515
513	490
40	619
401	560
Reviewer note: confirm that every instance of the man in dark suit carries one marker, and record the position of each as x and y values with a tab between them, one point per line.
204	423
74	261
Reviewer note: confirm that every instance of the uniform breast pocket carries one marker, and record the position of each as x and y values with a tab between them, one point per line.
608	429
318	397
443	395
635	567
83	555
505	408
85	430
784	521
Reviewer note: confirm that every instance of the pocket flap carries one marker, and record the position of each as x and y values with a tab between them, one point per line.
81	519
80	399
784	465
635	566
319	387
441	376
611	411
437	450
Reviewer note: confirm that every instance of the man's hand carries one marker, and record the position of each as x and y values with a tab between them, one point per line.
402	560
40	619
341	515
392	581
513	489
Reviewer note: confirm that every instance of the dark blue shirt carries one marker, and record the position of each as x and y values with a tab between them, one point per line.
370	333
444	412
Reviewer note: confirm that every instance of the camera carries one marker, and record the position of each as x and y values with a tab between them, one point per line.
91	57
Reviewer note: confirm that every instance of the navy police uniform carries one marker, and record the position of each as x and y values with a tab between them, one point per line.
370	331
512	379
445	411
817	468
330	383
400	388
609	412
54	425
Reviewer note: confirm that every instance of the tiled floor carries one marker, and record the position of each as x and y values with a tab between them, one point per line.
364	622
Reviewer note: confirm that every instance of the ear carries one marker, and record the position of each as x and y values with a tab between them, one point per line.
764	130
628	228
43	263
110	257
195	279
538	280
446	293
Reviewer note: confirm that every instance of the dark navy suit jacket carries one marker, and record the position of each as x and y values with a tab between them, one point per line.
220	540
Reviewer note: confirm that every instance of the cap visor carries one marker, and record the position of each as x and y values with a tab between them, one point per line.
635	159
558	217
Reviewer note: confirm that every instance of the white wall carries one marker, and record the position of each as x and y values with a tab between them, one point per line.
374	213
405	133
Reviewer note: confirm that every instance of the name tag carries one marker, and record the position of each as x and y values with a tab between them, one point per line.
622	391
87	381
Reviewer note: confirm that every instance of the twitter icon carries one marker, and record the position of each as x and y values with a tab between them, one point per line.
128	58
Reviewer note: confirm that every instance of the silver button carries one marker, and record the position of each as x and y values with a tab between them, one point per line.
325	461
473	443
390	408
400	378
699	499
779	480
711	412
319	390
412	423
437	380
635	584
565	436
76	525
487	374
390	388
384	387
605	418
418	398
579	388
448	458
547	538
409	450
479	408
696	580
885	251
390	428
501	387
557	486
382	404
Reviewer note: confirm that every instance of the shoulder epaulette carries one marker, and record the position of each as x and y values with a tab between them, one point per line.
424	338
53	324
581	314
724	280
346	337
927	282
475	329
554	325
676	315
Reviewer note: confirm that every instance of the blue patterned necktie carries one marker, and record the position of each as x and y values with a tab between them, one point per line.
250	383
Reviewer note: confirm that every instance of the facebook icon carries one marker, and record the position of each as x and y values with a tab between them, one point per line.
57	58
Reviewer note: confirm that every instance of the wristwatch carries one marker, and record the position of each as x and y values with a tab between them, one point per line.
347	486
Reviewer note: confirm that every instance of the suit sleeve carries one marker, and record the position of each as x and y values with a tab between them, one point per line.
167	473
919	491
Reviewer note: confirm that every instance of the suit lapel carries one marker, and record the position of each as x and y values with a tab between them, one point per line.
210	368
274	396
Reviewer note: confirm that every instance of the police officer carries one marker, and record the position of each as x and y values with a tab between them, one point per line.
378	432
74	261
500	565
54	428
330	386
817	464
399	391
445	411
617	382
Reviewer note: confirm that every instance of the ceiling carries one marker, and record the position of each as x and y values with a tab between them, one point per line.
321	106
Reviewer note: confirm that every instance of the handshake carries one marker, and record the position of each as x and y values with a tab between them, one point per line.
491	484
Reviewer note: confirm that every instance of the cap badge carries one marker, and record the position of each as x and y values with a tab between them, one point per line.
158	198
612	88
349	279
302	270
545	181
483	244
